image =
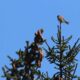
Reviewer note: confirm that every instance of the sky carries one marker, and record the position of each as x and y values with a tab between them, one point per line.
20	19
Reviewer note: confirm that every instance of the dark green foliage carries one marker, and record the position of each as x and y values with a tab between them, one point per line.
62	54
27	64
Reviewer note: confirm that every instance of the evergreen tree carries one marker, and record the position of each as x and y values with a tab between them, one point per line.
28	62
62	54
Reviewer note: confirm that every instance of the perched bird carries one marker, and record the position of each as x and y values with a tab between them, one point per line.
62	20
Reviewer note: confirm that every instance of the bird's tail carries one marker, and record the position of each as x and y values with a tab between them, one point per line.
66	22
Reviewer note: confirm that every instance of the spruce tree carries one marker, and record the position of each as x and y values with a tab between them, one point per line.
61	54
28	62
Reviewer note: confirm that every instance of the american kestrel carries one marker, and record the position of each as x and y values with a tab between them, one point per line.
62	20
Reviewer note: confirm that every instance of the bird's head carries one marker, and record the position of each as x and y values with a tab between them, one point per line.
58	16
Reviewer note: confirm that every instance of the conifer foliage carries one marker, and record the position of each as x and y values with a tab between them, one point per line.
62	55
28	62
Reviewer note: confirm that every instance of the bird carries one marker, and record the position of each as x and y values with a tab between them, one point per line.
61	19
